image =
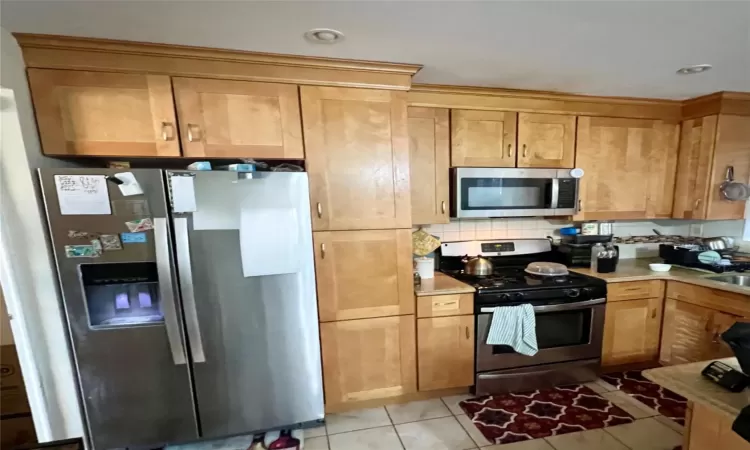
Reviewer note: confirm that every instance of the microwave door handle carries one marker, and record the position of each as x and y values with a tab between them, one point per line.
185	268
555	193
166	291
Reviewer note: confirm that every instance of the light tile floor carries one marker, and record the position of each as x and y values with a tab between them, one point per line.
440	424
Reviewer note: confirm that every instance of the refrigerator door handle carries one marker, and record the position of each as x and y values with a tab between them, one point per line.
166	291
184	266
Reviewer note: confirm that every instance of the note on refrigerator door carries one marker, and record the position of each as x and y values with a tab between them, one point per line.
82	194
129	184
183	194
269	241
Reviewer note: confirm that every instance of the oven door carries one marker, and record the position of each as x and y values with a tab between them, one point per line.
480	192
565	332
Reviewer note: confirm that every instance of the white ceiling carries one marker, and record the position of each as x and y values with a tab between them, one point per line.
626	48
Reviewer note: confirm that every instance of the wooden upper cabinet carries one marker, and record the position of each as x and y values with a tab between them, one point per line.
429	149
483	138
732	149
363	274
631	331
357	149
238	119
104	114
368	359
629	168
546	140
445	352
708	147
697	140
693	333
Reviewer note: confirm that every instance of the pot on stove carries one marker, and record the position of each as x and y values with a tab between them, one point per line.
477	266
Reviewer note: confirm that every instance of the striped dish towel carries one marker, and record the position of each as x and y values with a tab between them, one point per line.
514	326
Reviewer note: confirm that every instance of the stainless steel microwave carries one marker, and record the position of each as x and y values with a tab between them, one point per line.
495	192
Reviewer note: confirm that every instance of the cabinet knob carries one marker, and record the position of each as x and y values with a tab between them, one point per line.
467	332
510	150
442	206
653	314
320	209
580	205
524	150
193	132
322	251
167	131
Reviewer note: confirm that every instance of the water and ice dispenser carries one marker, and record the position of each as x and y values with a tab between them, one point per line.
121	294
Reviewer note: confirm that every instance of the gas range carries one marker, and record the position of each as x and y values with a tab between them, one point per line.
509	283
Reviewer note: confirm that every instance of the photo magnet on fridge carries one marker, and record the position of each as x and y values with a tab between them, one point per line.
110	242
133	238
80	251
140	225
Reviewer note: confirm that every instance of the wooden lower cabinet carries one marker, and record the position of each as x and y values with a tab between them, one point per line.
368	359
692	333
631	331
709	429
445	351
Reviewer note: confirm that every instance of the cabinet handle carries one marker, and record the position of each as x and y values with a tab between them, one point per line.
167	131
510	150
320	210
442	206
653	314
467	332
697	203
524	150
191	137
580	205
322	251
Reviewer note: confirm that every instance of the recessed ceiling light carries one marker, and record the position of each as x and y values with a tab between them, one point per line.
324	36
698	68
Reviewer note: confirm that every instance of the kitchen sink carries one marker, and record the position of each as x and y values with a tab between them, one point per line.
739	280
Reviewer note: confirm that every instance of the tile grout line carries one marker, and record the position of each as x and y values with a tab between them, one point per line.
618	440
398	436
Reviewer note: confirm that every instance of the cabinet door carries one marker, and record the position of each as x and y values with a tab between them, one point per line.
445	351
104	114
732	149
629	168
368	359
483	138
694	168
429	149
363	274
238	119
357	150
631	331
692	333
546	140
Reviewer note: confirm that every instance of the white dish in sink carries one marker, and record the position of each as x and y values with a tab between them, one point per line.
660	267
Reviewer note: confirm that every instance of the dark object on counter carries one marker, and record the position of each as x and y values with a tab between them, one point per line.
726	377
606	262
575	255
417	279
741	424
738	338
586	239
687	256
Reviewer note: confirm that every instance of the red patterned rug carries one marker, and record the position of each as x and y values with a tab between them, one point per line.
666	402
531	415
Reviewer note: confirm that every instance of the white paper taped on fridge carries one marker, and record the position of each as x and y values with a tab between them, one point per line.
82	194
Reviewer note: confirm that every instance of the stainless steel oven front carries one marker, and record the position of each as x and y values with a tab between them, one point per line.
569	337
496	192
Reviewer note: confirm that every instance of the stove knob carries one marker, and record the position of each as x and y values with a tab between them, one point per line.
505	297
573	293
518	296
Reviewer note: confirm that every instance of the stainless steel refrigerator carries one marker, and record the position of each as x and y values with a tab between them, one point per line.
172	341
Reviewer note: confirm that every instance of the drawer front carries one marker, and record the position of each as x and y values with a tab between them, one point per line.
634	290
445	305
712	298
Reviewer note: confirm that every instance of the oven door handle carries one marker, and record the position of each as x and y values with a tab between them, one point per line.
563	307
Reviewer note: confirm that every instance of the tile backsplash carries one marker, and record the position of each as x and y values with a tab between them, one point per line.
527	228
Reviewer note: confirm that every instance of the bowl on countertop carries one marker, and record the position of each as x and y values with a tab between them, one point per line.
660	267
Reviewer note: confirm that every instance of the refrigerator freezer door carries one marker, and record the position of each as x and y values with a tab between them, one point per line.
123	314
258	364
